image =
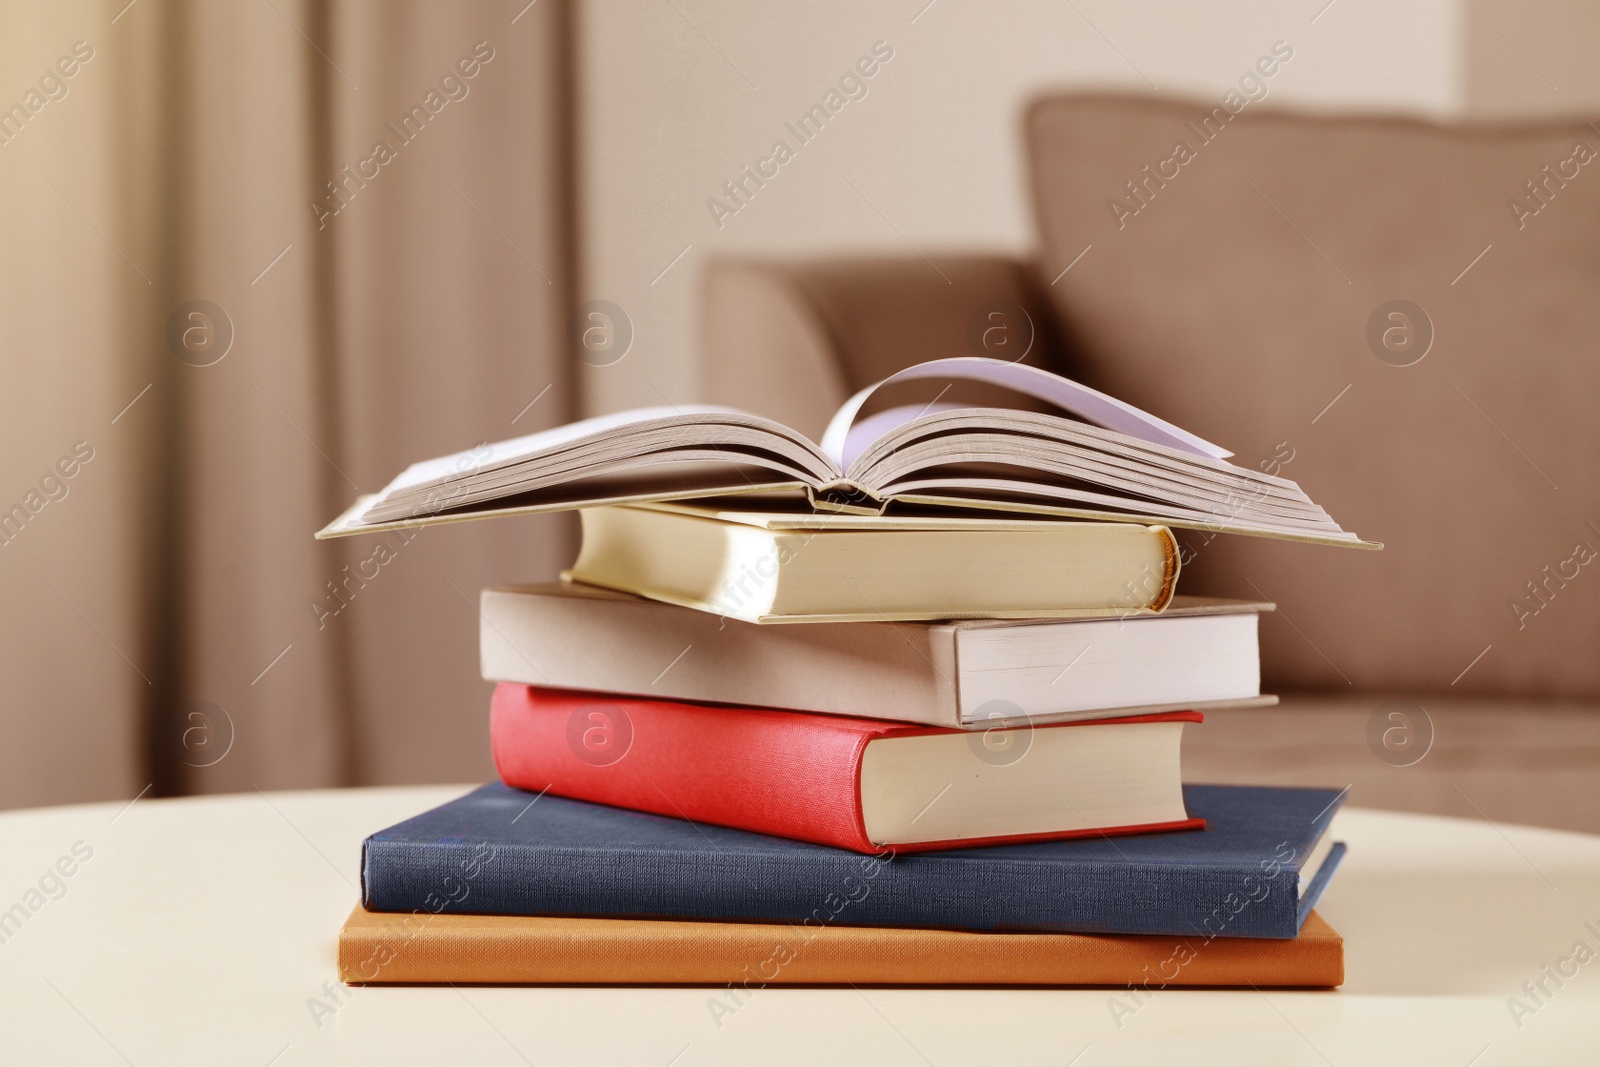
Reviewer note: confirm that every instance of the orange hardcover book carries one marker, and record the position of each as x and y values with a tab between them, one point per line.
378	948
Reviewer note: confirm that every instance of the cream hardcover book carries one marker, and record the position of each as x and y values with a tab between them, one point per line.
772	567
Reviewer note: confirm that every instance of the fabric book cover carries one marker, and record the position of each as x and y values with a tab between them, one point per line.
1256	870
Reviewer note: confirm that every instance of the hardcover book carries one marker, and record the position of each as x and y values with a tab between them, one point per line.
376	948
1257	870
860	784
757	567
1199	654
1097	458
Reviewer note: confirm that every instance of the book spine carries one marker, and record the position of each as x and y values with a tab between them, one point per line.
845	497
1169	586
943	656
780	773
823	887
621	644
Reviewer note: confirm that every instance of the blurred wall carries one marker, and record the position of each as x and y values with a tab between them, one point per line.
676	98
1531	57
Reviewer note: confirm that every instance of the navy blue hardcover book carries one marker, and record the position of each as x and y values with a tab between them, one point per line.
501	851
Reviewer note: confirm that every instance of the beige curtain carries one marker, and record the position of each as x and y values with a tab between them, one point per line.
258	257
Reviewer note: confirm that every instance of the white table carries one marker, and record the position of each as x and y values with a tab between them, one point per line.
202	931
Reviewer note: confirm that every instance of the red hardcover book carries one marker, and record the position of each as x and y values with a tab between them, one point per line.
859	784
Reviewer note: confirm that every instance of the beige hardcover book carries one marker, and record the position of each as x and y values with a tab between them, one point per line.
1098	458
874	568
1199	654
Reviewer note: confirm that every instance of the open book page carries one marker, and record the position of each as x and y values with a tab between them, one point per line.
1123	463
1024	499
692	482
1040	443
1002	456
844	440
437	471
659	443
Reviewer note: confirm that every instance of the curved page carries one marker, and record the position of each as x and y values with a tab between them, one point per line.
844	440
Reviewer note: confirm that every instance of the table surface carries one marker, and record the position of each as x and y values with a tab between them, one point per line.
202	931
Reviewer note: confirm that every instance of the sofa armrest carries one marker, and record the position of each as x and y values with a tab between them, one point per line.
792	340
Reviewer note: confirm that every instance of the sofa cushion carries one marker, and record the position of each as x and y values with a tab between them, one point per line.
1471	757
1240	277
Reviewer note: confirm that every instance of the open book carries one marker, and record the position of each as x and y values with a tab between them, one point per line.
1100	459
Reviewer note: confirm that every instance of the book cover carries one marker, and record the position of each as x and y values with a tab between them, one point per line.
377	948
859	784
1201	653
504	851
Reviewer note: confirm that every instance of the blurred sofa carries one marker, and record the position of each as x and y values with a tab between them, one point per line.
1402	316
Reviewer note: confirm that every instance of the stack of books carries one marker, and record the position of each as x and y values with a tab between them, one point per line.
902	709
